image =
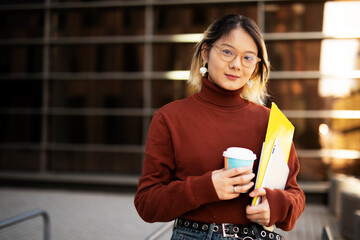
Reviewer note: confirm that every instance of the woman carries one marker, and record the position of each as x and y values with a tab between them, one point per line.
183	177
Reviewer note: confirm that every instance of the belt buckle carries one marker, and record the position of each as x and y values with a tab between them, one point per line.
226	230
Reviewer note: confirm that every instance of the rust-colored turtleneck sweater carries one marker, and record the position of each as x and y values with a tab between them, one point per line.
185	143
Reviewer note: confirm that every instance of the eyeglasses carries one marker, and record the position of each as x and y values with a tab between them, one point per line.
229	54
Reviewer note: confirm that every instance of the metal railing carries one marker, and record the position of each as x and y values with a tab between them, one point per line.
26	216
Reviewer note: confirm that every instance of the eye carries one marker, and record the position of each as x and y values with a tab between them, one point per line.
227	52
250	58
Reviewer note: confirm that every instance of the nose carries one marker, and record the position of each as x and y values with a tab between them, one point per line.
236	63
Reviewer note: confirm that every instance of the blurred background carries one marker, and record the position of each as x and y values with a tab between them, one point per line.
80	81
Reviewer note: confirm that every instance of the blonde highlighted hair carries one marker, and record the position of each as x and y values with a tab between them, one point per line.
221	27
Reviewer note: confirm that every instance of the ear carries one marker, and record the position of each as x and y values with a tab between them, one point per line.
205	52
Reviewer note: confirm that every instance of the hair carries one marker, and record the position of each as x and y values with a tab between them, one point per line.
222	27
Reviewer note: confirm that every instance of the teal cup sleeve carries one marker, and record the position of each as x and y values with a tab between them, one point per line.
234	163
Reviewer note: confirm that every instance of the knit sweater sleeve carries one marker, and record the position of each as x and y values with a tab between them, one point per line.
161	196
287	205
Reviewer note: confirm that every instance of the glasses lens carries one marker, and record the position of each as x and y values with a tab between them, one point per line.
227	54
249	60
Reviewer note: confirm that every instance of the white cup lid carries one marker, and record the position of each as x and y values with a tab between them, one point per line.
239	153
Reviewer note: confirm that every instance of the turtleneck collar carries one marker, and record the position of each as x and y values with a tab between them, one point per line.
218	96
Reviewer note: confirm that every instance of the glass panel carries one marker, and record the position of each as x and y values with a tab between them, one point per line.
19	160
172	56
21	24
165	91
20	128
334	134
13	2
64	1
20	93
195	18
97	58
307	133
96	130
297	94
96	93
98	22
95	162
294	16
14	59
307	94
298	55
321	169
339	135
313	169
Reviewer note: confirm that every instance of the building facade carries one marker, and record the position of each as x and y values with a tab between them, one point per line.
81	79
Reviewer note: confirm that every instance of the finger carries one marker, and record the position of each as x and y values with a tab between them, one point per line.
258	192
244	188
242	179
237	171
257	209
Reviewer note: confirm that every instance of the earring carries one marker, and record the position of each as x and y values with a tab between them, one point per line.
250	83
203	70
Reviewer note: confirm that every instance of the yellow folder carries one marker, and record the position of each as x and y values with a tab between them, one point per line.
280	129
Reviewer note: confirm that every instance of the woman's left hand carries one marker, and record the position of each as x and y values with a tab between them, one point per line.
260	213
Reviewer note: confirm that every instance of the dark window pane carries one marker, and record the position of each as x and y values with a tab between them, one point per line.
96	130
306	134
20	93
98	22
321	169
294	16
64	1
97	58
195	18
21	24
95	162
13	2
19	160
313	169
15	59
172	56
309	94
294	55
302	94
20	128
165	91
96	93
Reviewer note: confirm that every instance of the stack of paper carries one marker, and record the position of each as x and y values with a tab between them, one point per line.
273	170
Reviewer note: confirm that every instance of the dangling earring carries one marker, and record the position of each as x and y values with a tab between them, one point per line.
203	70
250	83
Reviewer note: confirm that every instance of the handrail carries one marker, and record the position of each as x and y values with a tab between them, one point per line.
160	231
28	215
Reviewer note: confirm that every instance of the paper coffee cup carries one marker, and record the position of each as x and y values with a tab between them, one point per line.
238	157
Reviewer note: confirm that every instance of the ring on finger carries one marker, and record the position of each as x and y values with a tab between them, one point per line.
234	189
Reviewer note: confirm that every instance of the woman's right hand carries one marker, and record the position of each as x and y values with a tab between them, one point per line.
226	181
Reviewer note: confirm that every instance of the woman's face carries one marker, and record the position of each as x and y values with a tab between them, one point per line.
231	75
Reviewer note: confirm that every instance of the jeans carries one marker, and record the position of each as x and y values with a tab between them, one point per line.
181	233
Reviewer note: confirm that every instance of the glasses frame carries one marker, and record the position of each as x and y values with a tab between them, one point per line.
237	54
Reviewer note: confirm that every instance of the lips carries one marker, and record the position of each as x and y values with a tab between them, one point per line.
232	77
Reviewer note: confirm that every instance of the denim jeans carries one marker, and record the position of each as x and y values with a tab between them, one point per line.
182	233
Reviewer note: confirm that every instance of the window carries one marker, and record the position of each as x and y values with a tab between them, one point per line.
80	80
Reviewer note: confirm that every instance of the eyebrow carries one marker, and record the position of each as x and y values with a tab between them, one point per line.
226	44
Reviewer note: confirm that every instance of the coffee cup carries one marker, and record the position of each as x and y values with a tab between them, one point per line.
238	157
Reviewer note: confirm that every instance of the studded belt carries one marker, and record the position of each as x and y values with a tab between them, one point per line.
244	232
